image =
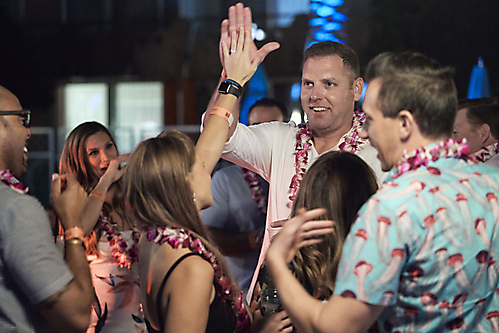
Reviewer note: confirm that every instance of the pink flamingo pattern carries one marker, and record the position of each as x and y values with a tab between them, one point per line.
444	275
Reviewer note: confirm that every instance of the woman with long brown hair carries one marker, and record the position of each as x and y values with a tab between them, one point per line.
341	183
91	155
185	283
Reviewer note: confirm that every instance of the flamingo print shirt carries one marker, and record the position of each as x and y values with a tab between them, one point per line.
426	246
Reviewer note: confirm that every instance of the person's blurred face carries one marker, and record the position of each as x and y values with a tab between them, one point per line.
13	138
264	114
464	129
100	152
327	94
382	131
200	180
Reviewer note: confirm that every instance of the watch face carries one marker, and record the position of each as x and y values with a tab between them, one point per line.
228	88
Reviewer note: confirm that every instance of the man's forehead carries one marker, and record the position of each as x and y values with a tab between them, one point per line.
331	62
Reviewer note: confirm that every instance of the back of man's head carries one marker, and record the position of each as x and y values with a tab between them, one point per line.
481	111
414	82
327	49
267	109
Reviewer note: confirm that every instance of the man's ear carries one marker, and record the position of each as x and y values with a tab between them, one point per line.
357	86
406	124
484	133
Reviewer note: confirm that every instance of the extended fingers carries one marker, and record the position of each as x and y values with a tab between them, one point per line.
248	20
239	15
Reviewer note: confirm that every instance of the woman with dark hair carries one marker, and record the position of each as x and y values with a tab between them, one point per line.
341	183
91	155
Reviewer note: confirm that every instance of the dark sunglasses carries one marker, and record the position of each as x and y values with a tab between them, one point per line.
24	114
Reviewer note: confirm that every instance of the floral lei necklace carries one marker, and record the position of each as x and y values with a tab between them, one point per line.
256	190
8	179
351	142
177	237
486	153
424	155
123	254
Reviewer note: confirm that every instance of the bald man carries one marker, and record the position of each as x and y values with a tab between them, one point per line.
39	290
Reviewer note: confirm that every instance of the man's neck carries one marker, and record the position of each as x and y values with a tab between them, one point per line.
324	141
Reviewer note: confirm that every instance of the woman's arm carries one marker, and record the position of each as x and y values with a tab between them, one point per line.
95	199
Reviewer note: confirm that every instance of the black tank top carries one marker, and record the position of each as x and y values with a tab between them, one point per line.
221	318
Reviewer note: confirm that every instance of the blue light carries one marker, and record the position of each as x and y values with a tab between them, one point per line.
332	26
317	22
339	17
363	92
333	3
295	91
315	6
325	11
322	36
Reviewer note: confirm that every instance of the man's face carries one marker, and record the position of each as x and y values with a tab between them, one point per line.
13	138
381	131
264	114
464	129
327	94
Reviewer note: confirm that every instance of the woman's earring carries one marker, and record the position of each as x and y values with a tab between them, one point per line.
194	196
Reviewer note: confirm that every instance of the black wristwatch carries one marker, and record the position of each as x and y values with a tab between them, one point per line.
230	87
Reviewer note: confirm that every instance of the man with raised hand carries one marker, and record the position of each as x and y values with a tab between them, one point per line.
40	291
427	260
281	153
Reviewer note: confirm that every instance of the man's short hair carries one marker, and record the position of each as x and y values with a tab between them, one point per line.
327	49
481	111
270	102
414	82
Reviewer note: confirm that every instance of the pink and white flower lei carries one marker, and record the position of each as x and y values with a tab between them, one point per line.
485	154
424	155
351	142
8	179
256	190
123	254
178	237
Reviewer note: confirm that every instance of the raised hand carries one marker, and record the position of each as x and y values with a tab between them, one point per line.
296	233
68	199
241	17
238	65
116	168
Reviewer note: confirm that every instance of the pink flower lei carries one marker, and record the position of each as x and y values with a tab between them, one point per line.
256	190
8	179
485	154
177	237
424	155
123	254
351	142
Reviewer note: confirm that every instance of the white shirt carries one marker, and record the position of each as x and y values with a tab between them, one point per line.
268	149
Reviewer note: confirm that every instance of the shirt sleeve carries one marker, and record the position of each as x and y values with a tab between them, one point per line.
251	146
29	252
373	257
218	214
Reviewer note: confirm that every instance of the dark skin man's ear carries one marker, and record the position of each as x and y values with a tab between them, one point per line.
484	131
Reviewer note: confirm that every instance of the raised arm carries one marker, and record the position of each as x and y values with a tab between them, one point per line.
240	68
102	193
239	17
68	309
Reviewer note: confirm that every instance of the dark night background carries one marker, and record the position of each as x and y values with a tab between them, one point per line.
113	40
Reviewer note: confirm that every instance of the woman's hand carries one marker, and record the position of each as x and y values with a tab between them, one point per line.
116	168
296	233
238	65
